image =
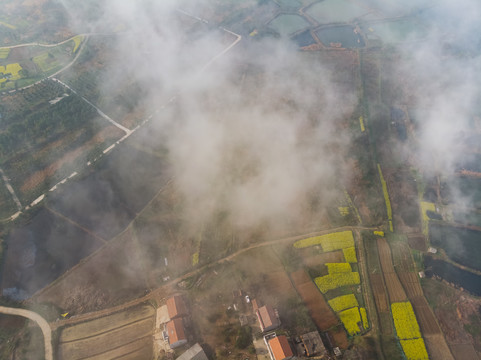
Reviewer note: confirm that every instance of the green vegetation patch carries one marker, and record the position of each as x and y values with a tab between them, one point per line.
4	53
46	61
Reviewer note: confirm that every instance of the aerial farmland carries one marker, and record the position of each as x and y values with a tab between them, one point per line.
235	179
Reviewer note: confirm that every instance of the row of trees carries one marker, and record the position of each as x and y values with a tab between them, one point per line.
46	123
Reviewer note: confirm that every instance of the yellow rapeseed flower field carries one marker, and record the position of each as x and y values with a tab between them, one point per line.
386	198
334	268
4	53
361	122
11	71
405	320
334	281
414	349
426	206
365	322
329	242
195	259
351	319
350	254
77	41
343	302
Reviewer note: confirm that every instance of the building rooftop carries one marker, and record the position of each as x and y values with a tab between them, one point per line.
175	330
176	307
280	348
194	353
268	317
313	344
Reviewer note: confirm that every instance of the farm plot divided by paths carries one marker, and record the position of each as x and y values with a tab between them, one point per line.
403	285
127	334
320	312
394	287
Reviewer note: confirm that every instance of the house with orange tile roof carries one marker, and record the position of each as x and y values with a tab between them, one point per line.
279	348
176	307
176	333
268	318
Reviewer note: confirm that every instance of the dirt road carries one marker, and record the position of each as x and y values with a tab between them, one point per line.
44	326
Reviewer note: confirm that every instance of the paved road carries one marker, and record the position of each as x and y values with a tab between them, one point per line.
44	326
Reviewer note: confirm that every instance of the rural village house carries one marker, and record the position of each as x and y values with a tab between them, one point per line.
279	348
268	318
176	333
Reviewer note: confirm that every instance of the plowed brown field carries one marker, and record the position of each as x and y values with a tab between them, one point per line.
464	352
127	333
411	284
393	285
380	297
138	349
320	311
437	347
426	319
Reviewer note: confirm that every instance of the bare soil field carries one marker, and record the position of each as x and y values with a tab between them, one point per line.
464	352
394	288
120	337
393	285
313	259
106	323
319	310
437	347
138	349
108	277
410	282
379	292
38	252
105	137
417	243
108	199
425	316
339	336
402	258
456	312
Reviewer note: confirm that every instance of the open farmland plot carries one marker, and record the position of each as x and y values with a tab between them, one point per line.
394	287
118	342
47	134
106	323
25	22
379	292
319	310
426	319
38	252
437	347
410	282
108	199
130	263
464	351
402	258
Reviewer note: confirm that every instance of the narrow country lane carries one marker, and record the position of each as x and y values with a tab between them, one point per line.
44	326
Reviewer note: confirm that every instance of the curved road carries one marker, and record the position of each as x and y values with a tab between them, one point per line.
44	326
